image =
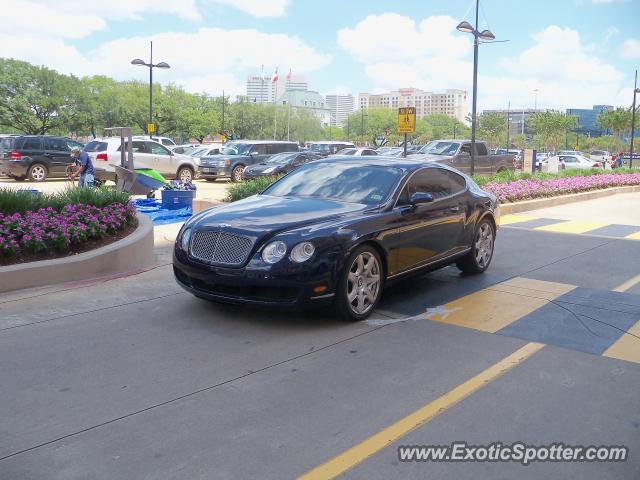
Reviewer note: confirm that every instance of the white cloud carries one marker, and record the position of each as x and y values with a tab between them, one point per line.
630	49
258	8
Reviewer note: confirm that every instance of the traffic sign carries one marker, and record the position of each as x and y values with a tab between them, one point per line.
151	127
407	120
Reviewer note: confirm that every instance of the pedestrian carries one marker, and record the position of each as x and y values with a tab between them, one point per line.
84	168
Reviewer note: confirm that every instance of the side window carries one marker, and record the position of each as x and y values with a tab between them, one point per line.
260	149
156	148
72	144
290	147
466	148
166	141
457	183
430	180
32	143
55	144
139	147
368	153
481	149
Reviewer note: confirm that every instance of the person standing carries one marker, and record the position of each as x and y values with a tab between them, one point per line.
84	168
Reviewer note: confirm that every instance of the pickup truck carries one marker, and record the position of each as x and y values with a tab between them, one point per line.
457	154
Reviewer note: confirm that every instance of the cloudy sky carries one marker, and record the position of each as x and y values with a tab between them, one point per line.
575	53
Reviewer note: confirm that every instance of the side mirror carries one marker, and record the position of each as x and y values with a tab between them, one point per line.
254	153
420	197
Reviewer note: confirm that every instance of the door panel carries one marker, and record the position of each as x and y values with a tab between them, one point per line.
58	155
163	160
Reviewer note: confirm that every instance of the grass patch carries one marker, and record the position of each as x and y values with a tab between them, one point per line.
247	188
21	201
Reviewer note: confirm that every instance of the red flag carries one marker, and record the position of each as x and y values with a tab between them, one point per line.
289	76
275	77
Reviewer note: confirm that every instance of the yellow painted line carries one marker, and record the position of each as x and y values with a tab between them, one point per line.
360	452
624	286
513	218
493	308
572	226
633	236
627	347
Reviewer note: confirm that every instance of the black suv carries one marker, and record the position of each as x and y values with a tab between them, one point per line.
36	157
239	154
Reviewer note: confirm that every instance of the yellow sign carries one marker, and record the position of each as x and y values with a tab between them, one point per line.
407	120
151	127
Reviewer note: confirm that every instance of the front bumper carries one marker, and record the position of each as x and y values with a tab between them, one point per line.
213	172
284	286
255	174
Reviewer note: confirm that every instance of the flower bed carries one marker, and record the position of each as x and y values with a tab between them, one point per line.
526	189
47	233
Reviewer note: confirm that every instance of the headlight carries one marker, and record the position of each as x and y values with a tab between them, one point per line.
184	239
274	252
270	170
302	252
197	161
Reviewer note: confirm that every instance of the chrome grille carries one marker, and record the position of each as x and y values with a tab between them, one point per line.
222	248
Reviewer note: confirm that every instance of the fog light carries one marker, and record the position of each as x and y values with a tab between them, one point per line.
320	289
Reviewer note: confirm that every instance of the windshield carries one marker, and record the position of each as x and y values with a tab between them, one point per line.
441	148
198	152
319	147
236	149
347	182
346	151
282	158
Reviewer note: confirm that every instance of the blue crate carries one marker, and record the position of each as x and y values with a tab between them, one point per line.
175	199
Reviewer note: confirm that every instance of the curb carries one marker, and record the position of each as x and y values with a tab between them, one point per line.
134	252
199	205
517	207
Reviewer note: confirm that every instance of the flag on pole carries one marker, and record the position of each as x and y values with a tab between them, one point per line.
275	77
289	76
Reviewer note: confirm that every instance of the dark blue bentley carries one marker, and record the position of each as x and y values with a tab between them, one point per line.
336	231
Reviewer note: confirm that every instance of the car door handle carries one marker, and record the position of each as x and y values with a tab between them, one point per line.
454	209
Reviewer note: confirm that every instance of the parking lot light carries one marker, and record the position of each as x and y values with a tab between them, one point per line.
141	63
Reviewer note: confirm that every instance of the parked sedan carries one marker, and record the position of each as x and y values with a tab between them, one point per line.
336	231
279	164
576	161
356	152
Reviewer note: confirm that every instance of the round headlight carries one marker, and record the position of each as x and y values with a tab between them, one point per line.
184	240
274	252
302	252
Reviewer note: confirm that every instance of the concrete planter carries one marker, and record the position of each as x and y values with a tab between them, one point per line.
133	252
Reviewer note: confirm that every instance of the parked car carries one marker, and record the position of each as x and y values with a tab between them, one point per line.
337	231
185	149
329	147
576	161
166	141
600	156
36	157
279	164
457	154
207	150
238	154
105	153
356	152
570	152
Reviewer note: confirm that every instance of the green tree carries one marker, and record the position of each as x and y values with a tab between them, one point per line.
439	126
35	100
492	128
618	121
551	128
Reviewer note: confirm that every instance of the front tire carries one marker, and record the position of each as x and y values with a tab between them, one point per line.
236	173
185	175
360	286
38	172
479	258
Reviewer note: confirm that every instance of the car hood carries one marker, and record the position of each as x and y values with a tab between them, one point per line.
261	167
429	157
262	216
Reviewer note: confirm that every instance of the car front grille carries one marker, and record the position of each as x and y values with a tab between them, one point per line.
220	248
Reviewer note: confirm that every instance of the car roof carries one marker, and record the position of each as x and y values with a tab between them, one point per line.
261	141
385	161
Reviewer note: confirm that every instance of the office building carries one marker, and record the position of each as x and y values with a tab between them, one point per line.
309	100
340	107
260	89
588	120
452	103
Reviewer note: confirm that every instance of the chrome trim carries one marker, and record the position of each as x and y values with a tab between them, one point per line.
461	252
328	295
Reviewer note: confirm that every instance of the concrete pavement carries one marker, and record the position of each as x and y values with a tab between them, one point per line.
134	378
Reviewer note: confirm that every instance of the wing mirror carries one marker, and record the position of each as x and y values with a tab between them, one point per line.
420	197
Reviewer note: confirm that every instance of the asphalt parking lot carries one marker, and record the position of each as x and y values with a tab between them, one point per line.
134	378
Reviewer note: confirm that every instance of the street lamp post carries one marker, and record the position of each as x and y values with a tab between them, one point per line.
362	115
484	35
151	65
633	118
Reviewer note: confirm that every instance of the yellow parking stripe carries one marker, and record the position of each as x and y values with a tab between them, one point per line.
633	236
360	452
509	219
496	307
627	347
572	226
624	286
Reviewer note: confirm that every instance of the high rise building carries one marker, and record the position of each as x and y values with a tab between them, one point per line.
260	89
340	107
309	100
452	102
588	120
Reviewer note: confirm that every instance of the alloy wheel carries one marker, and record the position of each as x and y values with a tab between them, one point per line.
185	175
38	173
483	247
363	283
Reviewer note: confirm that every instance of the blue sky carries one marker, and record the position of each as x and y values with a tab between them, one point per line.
575	53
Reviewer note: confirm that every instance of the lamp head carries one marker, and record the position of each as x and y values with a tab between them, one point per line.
465	27
163	65
137	61
487	35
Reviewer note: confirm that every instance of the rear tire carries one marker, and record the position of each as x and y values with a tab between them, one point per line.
38	172
236	173
185	175
360	285
479	258
19	179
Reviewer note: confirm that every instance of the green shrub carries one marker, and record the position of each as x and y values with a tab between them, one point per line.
245	189
21	201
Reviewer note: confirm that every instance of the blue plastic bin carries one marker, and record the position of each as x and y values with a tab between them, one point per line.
175	199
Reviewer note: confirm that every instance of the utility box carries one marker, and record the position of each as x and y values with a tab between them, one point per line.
552	165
